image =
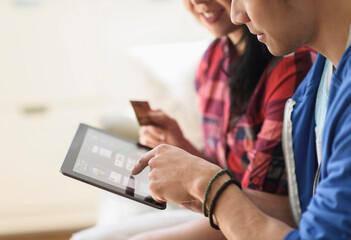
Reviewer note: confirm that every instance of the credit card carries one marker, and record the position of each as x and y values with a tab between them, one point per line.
141	110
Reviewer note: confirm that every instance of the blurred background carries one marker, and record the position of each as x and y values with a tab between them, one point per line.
63	62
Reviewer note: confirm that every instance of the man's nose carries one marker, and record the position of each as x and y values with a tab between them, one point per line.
238	14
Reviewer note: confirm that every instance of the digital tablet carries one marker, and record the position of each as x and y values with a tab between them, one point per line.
106	160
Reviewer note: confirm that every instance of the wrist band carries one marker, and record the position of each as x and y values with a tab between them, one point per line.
218	194
218	174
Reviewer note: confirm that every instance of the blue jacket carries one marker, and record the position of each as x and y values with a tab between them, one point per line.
327	214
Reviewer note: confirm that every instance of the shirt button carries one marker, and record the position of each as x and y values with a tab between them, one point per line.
256	180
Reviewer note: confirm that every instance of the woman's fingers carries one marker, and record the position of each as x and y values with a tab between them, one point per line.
151	136
159	118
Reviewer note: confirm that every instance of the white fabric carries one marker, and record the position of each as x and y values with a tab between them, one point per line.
167	72
289	158
349	38
321	106
137	224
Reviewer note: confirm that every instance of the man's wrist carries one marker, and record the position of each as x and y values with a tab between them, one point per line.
215	187
200	183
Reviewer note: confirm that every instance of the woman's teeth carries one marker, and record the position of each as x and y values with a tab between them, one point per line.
209	14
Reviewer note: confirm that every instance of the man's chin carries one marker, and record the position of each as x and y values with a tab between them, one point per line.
280	51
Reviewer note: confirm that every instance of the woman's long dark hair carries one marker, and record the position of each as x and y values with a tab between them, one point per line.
245	71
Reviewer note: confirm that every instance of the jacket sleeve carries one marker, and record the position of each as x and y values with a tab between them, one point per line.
328	215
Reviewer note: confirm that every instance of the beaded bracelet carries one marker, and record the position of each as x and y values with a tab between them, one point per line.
214	178
218	194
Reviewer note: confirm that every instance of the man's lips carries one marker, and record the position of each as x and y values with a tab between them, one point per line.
260	35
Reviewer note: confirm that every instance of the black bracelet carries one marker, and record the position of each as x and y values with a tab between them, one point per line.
218	194
214	178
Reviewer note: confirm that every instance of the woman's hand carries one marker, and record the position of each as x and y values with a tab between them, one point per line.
176	175
164	130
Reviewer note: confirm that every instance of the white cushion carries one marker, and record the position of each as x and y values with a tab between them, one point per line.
137	224
167	72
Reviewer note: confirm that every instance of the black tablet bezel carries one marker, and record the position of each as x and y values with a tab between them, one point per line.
71	157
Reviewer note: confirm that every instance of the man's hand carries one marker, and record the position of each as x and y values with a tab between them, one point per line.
176	175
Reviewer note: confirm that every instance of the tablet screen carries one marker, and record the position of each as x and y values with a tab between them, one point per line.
111	160
106	161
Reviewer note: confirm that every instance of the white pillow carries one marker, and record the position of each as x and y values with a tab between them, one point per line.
136	224
167	72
